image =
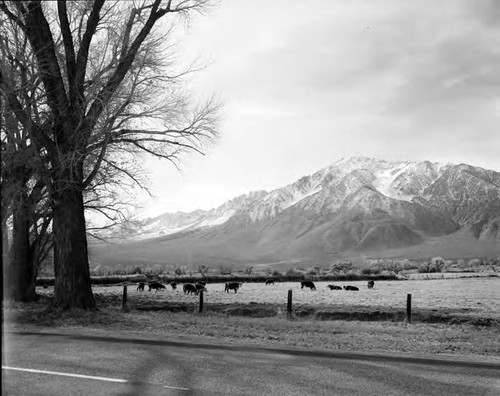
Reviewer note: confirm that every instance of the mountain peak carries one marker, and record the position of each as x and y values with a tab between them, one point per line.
408	191
356	205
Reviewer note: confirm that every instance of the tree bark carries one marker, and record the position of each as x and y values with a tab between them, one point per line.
72	287
21	274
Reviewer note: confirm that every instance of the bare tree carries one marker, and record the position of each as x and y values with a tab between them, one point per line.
24	196
101	70
203	269
248	270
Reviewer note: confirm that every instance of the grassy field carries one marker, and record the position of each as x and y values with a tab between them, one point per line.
240	319
466	297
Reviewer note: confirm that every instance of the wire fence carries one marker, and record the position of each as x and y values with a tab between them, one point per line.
472	297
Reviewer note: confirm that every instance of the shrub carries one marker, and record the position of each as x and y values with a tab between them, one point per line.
179	271
341	267
423	268
438	263
394	267
376	270
225	270
433	268
366	271
159	269
408	265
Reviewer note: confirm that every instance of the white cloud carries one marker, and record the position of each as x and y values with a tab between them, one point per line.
306	83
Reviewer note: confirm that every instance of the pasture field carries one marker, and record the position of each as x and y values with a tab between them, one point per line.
475	297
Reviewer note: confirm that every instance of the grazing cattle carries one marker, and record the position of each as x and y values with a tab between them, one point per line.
173	285
353	288
155	286
189	288
334	287
232	286
140	286
200	286
371	284
308	284
270	282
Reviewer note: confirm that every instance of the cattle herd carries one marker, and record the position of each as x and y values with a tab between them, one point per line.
196	288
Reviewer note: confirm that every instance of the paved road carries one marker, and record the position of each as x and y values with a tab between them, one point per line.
72	364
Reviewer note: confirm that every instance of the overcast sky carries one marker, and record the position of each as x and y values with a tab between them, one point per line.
305	83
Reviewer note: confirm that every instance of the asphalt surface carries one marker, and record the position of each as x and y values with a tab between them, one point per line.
77	364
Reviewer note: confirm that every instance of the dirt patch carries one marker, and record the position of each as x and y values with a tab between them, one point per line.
251	311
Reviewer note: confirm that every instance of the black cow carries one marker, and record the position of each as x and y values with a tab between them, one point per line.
308	284
232	286
270	282
200	285
189	288
140	286
371	284
155	286
173	284
353	288
334	287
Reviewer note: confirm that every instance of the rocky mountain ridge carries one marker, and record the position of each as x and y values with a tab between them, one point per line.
453	196
357	204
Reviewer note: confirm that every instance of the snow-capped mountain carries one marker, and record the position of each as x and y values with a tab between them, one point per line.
356	204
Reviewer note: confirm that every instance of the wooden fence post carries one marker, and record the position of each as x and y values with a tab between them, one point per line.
408	308
289	305
124	299
201	301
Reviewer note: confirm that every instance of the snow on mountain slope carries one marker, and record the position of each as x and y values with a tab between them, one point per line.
429	198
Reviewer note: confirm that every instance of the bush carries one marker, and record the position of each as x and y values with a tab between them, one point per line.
423	268
366	271
394	267
292	272
179	271
341	267
408	265
433	268
437	264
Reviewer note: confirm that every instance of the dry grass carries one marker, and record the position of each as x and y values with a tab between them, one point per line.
420	338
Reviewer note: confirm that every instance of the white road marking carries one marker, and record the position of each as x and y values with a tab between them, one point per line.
175	387
109	379
64	374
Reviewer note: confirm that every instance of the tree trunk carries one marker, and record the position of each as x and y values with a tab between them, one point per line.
21	274
5	243
72	287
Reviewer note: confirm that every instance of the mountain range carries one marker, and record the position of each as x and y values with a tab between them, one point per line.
357	206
